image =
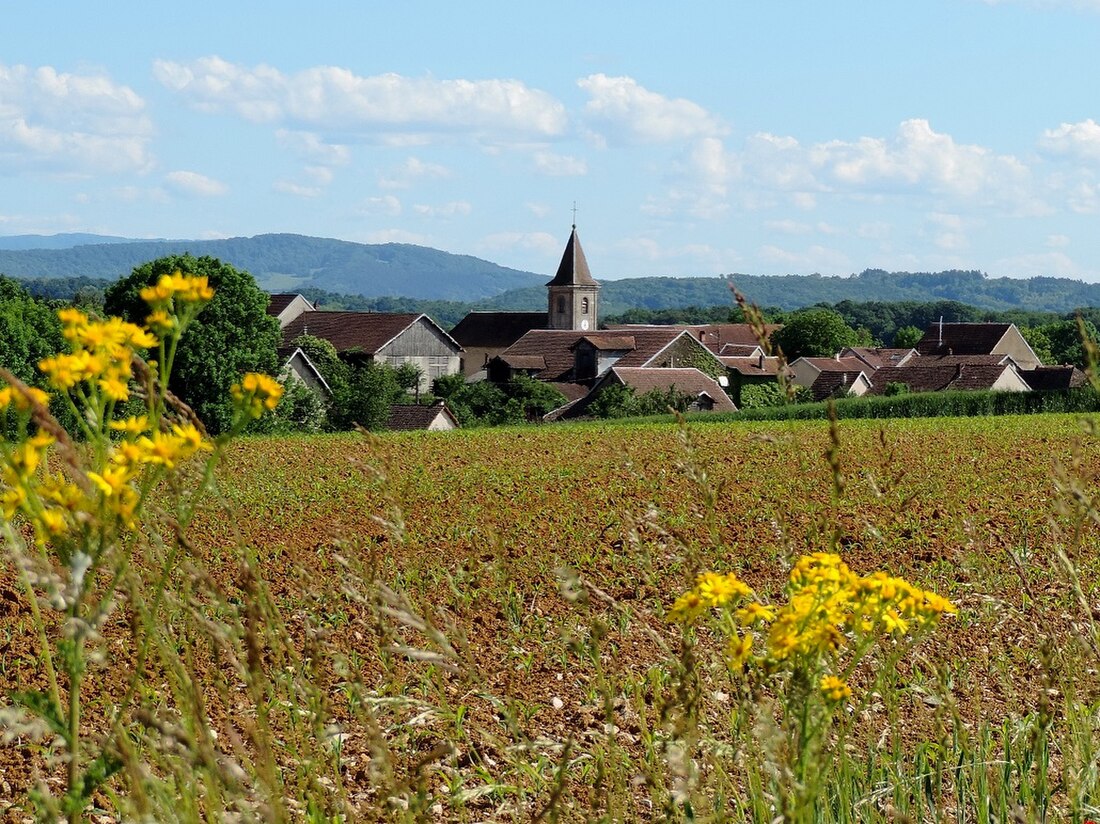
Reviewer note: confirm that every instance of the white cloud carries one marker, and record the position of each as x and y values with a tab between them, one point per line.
289	187
70	123
456	208
623	111
194	184
1057	241
539	210
789	227
541	242
1080	141
820	259
556	165
411	170
920	157
385	205
313	147
1039	264
334	98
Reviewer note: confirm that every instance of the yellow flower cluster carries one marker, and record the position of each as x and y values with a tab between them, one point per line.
827	606
835	689
177	287
256	393
172	293
828	602
711	589
55	505
100	354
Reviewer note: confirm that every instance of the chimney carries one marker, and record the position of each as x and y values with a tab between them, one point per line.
941	331
760	366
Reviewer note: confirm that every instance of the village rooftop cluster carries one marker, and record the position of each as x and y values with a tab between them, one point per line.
713	363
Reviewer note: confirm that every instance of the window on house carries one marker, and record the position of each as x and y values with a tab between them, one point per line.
561	305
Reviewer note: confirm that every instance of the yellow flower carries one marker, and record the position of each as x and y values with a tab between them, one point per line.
177	286
132	425
753	613
256	393
111	481
161	322
739	650
835	689
686	608
716	589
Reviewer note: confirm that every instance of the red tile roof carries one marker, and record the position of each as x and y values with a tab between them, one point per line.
355	331
496	329
751	366
937	378
411	416
878	357
689	381
277	303
1044	378
555	346
830	384
962	338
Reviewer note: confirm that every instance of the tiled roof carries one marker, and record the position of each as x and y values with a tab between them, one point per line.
277	303
740	350
878	357
1044	378
836	364
751	366
572	391
689	381
937	378
415	416
525	362
354	331
829	384
573	269
496	329
608	343
962	338
927	361
714	336
556	348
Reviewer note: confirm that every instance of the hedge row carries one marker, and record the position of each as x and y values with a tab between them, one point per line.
933	405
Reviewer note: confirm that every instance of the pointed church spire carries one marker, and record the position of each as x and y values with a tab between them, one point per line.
573	269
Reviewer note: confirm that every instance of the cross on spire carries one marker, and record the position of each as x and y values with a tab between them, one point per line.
574	214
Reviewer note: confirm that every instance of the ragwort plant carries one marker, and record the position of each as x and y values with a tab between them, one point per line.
75	513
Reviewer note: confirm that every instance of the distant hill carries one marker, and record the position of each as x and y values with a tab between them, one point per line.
794	291
62	241
381	277
285	262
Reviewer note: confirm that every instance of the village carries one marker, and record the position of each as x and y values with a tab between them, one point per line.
711	364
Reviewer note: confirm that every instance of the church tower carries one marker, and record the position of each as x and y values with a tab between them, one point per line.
573	292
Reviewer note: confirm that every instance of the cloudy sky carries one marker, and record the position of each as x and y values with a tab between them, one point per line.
695	138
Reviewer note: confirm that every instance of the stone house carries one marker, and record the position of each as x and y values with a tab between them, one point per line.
393	339
708	394
410	416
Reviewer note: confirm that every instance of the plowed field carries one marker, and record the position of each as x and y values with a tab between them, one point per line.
477	529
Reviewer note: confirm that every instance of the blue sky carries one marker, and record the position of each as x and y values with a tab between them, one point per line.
696	139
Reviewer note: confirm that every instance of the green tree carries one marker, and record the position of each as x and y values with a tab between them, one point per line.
1039	342
535	398
1065	341
907	337
29	332
815	333
232	335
